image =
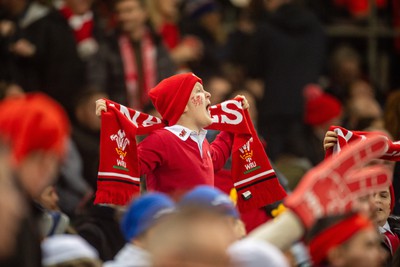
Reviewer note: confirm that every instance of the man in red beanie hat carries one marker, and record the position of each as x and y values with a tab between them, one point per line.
178	157
36	128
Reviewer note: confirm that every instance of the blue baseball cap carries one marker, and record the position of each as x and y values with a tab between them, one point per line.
144	212
207	196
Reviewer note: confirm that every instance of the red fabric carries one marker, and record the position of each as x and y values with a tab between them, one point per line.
82	30
359	7
392	197
138	97
254	218
118	177
346	136
171	96
173	164
33	122
321	107
332	186
337	235
251	170
170	35
393	240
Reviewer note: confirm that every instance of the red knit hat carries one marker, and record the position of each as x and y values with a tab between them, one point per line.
337	235
33	122
171	95
320	107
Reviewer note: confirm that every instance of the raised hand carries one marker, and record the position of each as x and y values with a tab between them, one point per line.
333	186
330	139
100	106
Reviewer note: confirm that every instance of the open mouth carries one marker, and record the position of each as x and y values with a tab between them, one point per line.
208	107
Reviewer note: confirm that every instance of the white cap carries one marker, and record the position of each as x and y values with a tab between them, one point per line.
62	248
256	253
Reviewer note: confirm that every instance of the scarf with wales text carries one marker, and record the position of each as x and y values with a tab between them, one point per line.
119	172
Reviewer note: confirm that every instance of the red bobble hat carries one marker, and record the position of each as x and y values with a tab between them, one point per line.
31	123
171	96
320	107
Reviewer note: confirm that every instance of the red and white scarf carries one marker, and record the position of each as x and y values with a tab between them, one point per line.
118	177
137	99
346	136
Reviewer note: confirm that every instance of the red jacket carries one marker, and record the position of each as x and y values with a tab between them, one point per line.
172	161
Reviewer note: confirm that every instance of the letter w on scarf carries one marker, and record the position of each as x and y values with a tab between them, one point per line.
253	176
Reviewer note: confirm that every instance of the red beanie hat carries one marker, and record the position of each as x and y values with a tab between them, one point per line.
171	95
320	107
33	122
336	235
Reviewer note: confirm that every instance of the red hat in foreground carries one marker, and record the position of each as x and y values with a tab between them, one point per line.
171	95
33	122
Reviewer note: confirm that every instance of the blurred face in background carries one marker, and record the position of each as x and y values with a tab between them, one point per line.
130	15
168	8
366	206
362	250
12	207
79	7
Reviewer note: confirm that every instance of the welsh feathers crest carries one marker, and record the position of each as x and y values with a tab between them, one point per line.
121	139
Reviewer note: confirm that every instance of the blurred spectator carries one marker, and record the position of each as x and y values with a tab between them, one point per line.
194	236
53	220
214	199
86	134
204	20
78	178
139	225
347	240
388	224
391	118
345	68
39	51
219	88
163	17
321	111
12	206
99	226
80	18
36	127
68	251
363	112
289	32
136	59
8	89
72	188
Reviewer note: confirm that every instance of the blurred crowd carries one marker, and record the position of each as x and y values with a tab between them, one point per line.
57	57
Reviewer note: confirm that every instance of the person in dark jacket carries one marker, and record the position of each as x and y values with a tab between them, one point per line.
135	59
40	53
286	53
99	226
